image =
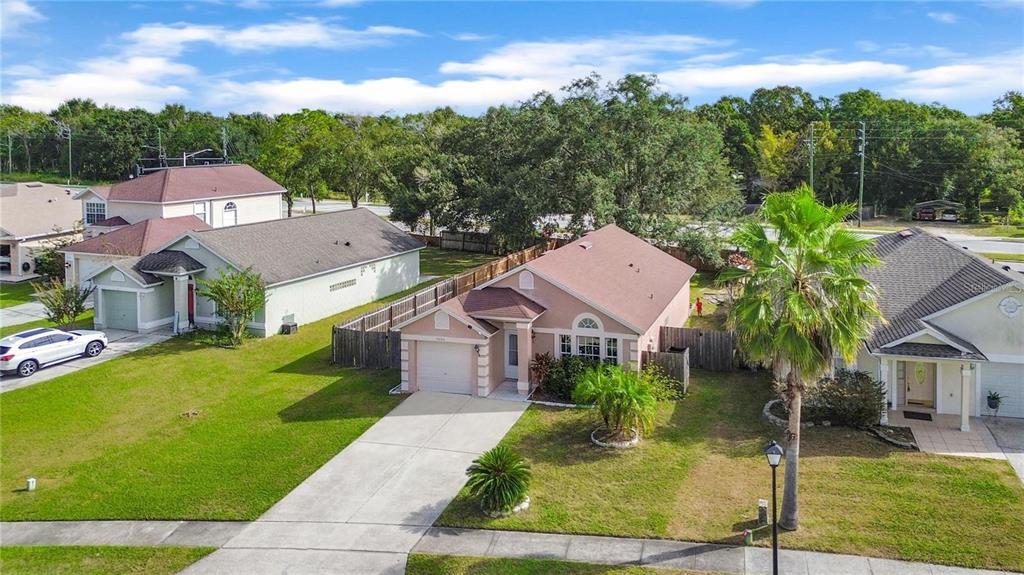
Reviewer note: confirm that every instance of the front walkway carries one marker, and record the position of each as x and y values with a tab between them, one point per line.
368	506
119	342
942	435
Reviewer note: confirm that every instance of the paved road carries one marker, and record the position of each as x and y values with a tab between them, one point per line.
365	509
119	342
304	206
22	313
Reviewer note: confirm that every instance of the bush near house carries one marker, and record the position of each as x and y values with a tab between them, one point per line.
563	375
851	398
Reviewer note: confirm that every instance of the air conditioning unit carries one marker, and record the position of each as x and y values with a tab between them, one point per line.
289	328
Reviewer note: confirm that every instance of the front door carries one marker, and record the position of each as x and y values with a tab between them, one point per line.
511	355
191	304
920	381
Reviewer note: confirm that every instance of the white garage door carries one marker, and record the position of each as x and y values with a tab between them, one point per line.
444	367
1008	380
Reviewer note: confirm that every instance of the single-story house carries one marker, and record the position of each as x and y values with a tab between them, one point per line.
33	216
604	296
312	266
953	329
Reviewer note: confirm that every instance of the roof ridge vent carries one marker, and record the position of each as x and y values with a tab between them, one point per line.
586	245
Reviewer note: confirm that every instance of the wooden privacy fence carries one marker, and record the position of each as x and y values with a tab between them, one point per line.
708	348
352	346
468	242
675	364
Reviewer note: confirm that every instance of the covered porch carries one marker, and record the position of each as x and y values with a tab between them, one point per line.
931	381
943	436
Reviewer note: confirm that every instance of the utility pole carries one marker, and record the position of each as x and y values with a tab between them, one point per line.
860	173
64	131
224	142
10	166
810	145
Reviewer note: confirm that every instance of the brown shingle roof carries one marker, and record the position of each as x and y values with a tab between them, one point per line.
111	222
140	238
500	302
619	272
194	183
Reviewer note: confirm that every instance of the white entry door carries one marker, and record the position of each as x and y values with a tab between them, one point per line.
444	367
511	355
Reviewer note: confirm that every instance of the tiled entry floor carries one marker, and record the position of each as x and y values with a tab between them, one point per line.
942	435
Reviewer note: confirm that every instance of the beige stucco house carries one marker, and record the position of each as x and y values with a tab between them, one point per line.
953	329
33	216
604	296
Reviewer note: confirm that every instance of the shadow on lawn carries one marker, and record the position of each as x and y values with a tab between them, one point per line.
316	362
335	401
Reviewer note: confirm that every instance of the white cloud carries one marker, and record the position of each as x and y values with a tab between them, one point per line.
22	70
469	37
610	56
173	39
962	80
15	15
867	46
719	57
339	3
944	17
809	74
138	81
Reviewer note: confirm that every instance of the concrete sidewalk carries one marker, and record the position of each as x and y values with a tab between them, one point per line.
22	313
702	557
130	533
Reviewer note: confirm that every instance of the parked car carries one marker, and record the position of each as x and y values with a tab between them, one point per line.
925	215
27	351
948	217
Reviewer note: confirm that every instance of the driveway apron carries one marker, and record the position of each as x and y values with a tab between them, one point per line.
365	509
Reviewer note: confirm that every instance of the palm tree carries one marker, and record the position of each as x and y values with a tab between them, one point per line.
500	478
623	399
803	302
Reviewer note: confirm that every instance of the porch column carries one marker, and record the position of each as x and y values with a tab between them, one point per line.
965	397
883	373
525	340
181	303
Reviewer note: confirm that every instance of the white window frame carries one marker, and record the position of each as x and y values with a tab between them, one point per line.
589	344
230	207
102	213
608	357
442	321
564	339
571	338
199	211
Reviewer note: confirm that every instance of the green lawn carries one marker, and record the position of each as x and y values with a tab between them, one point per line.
15	294
98	560
699	476
438	262
1003	257
181	430
457	565
712	317
84	321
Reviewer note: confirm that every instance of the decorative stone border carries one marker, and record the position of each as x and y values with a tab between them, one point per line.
892	441
615	444
779	422
523	506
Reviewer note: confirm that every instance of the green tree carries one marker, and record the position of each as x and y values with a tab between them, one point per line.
803	301
773	156
63	303
1008	112
239	296
296	153
624	400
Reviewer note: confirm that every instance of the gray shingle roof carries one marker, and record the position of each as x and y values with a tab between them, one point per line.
169	262
921	274
291	248
939	351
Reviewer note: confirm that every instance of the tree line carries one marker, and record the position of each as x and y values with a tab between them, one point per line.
624	151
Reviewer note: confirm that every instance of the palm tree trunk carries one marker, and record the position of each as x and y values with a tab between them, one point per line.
790	509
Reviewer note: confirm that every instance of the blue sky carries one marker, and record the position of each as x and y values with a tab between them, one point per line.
373	57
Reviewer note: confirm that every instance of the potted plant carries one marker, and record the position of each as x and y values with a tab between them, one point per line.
994	401
624	400
500	478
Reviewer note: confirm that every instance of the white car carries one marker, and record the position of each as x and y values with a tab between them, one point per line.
25	352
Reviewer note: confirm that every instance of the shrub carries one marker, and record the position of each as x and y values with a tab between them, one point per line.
540	367
239	296
850	398
702	245
500	478
622	398
663	386
563	376
63	303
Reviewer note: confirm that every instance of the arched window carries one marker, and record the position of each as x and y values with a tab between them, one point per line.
525	280
441	320
230	214
588	323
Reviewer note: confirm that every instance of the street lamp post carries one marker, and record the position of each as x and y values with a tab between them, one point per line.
774	454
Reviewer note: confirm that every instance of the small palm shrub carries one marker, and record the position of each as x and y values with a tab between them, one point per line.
500	478
624	400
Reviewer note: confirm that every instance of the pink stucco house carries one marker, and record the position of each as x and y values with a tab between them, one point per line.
604	296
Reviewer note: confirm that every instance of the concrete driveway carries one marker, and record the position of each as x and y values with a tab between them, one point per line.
1009	435
119	343
365	509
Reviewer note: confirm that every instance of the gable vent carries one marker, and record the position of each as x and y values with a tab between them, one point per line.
906	233
586	245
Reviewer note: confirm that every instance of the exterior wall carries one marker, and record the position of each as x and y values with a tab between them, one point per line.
675	315
133	212
81	266
981	322
496	360
311	299
156	308
206	316
927	338
424	326
949	386
251	209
